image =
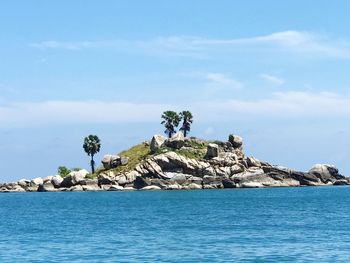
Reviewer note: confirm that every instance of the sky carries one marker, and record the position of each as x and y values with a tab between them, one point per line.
273	72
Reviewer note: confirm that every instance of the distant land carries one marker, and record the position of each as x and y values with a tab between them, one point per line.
180	163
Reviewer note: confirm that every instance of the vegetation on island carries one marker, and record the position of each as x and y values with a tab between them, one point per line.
92	145
187	120
171	121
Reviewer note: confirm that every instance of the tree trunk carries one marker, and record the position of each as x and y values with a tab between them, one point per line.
92	164
185	132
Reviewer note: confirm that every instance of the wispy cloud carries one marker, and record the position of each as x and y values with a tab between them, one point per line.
289	104
272	79
78	112
220	79
301	42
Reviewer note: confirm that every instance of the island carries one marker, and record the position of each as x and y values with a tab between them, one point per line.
181	163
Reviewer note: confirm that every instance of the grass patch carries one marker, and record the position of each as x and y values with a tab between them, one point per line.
136	155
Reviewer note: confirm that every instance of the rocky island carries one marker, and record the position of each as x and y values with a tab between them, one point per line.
181	163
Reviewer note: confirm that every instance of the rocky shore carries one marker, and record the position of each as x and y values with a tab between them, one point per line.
182	163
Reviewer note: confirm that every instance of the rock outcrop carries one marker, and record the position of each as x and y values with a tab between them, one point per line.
185	164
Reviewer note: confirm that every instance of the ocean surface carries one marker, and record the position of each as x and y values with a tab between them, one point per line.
308	224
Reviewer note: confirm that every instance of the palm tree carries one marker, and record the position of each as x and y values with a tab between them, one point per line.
187	120
92	145
170	121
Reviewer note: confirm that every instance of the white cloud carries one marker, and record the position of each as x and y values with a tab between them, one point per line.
223	80
272	79
292	41
78	112
199	47
52	44
289	104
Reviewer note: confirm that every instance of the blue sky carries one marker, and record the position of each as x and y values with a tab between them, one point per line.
274	72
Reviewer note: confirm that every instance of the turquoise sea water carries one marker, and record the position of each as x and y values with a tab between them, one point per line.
239	225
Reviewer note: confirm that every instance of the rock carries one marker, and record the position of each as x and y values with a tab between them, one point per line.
141	182
341	182
150	187
46	187
106	178
91	188
56	181
129	189
116	188
37	181
180	178
157	142
236	141
110	161
23	183
89	182
124	160
74	177
236	168
212	150
325	172
173	187
76	188
227	183
47	179
194	186
160	183
176	142
251	185
252	162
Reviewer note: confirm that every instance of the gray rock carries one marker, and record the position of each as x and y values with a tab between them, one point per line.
91	188
116	188
46	187
56	181
326	173
106	178
212	150
236	141
141	182
110	161
157	142
253	162
74	178
37	181
176	142
341	182
23	183
227	183
124	160
151	187
76	188
251	185
180	178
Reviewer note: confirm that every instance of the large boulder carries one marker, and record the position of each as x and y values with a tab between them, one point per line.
110	161
46	187
236	141
157	142
326	173
56	181
212	150
106	178
74	178
37	181
176	142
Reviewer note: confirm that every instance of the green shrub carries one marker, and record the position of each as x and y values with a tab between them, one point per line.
63	171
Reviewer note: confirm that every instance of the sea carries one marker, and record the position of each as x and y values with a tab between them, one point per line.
305	224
